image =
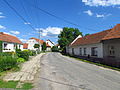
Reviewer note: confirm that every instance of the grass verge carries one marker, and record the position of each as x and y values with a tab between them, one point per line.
27	86
13	84
98	64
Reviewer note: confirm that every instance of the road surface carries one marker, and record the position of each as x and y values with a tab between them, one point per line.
60	72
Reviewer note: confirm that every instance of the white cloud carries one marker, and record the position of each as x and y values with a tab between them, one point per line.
89	12
26	23
23	40
2	16
1	13
9	33
15	32
102	15
2	27
50	31
101	2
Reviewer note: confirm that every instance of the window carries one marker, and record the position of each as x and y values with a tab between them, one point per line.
111	50
84	51
73	51
94	51
80	51
19	46
5	45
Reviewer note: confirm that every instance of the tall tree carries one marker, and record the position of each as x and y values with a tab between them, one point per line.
67	36
44	46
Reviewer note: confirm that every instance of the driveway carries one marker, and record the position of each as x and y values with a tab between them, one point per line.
60	72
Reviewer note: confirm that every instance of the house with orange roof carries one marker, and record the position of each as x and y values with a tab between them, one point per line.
10	43
105	44
31	42
25	46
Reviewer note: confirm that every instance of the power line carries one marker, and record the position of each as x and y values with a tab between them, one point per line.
60	18
18	14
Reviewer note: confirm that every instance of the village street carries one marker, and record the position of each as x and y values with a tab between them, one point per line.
60	72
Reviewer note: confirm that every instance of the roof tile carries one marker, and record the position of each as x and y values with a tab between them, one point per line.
9	38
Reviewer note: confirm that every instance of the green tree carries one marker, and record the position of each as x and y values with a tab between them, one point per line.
87	34
1	46
36	46
55	49
44	46
67	36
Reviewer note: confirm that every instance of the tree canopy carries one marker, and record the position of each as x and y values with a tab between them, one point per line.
67	36
87	34
36	46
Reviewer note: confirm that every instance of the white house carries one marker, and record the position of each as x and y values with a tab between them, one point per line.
9	43
31	42
49	44
105	44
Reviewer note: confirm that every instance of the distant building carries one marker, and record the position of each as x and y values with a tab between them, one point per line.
49	45
25	46
31	42
10	43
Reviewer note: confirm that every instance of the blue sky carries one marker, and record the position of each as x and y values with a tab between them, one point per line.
91	15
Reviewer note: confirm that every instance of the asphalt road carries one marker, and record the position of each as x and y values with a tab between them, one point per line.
59	72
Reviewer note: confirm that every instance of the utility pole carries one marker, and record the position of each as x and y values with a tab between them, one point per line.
39	37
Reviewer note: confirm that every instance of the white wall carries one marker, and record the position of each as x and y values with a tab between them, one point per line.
88	49
10	47
31	44
51	44
48	49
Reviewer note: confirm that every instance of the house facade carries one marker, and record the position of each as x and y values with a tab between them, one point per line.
49	45
10	43
105	45
31	42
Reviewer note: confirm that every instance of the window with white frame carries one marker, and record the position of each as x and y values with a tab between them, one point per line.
80	51
94	51
84	51
73	51
5	46
111	50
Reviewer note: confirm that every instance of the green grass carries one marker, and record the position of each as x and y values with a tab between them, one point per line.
10	84
27	86
13	84
98	64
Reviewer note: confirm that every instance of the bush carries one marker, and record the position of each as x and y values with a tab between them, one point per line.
23	54
32	52
55	49
20	60
7	53
7	63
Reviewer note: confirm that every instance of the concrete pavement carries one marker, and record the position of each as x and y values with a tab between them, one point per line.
27	72
59	72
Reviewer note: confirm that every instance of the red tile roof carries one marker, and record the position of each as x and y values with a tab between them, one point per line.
25	46
98	37
91	39
114	33
38	40
9	38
